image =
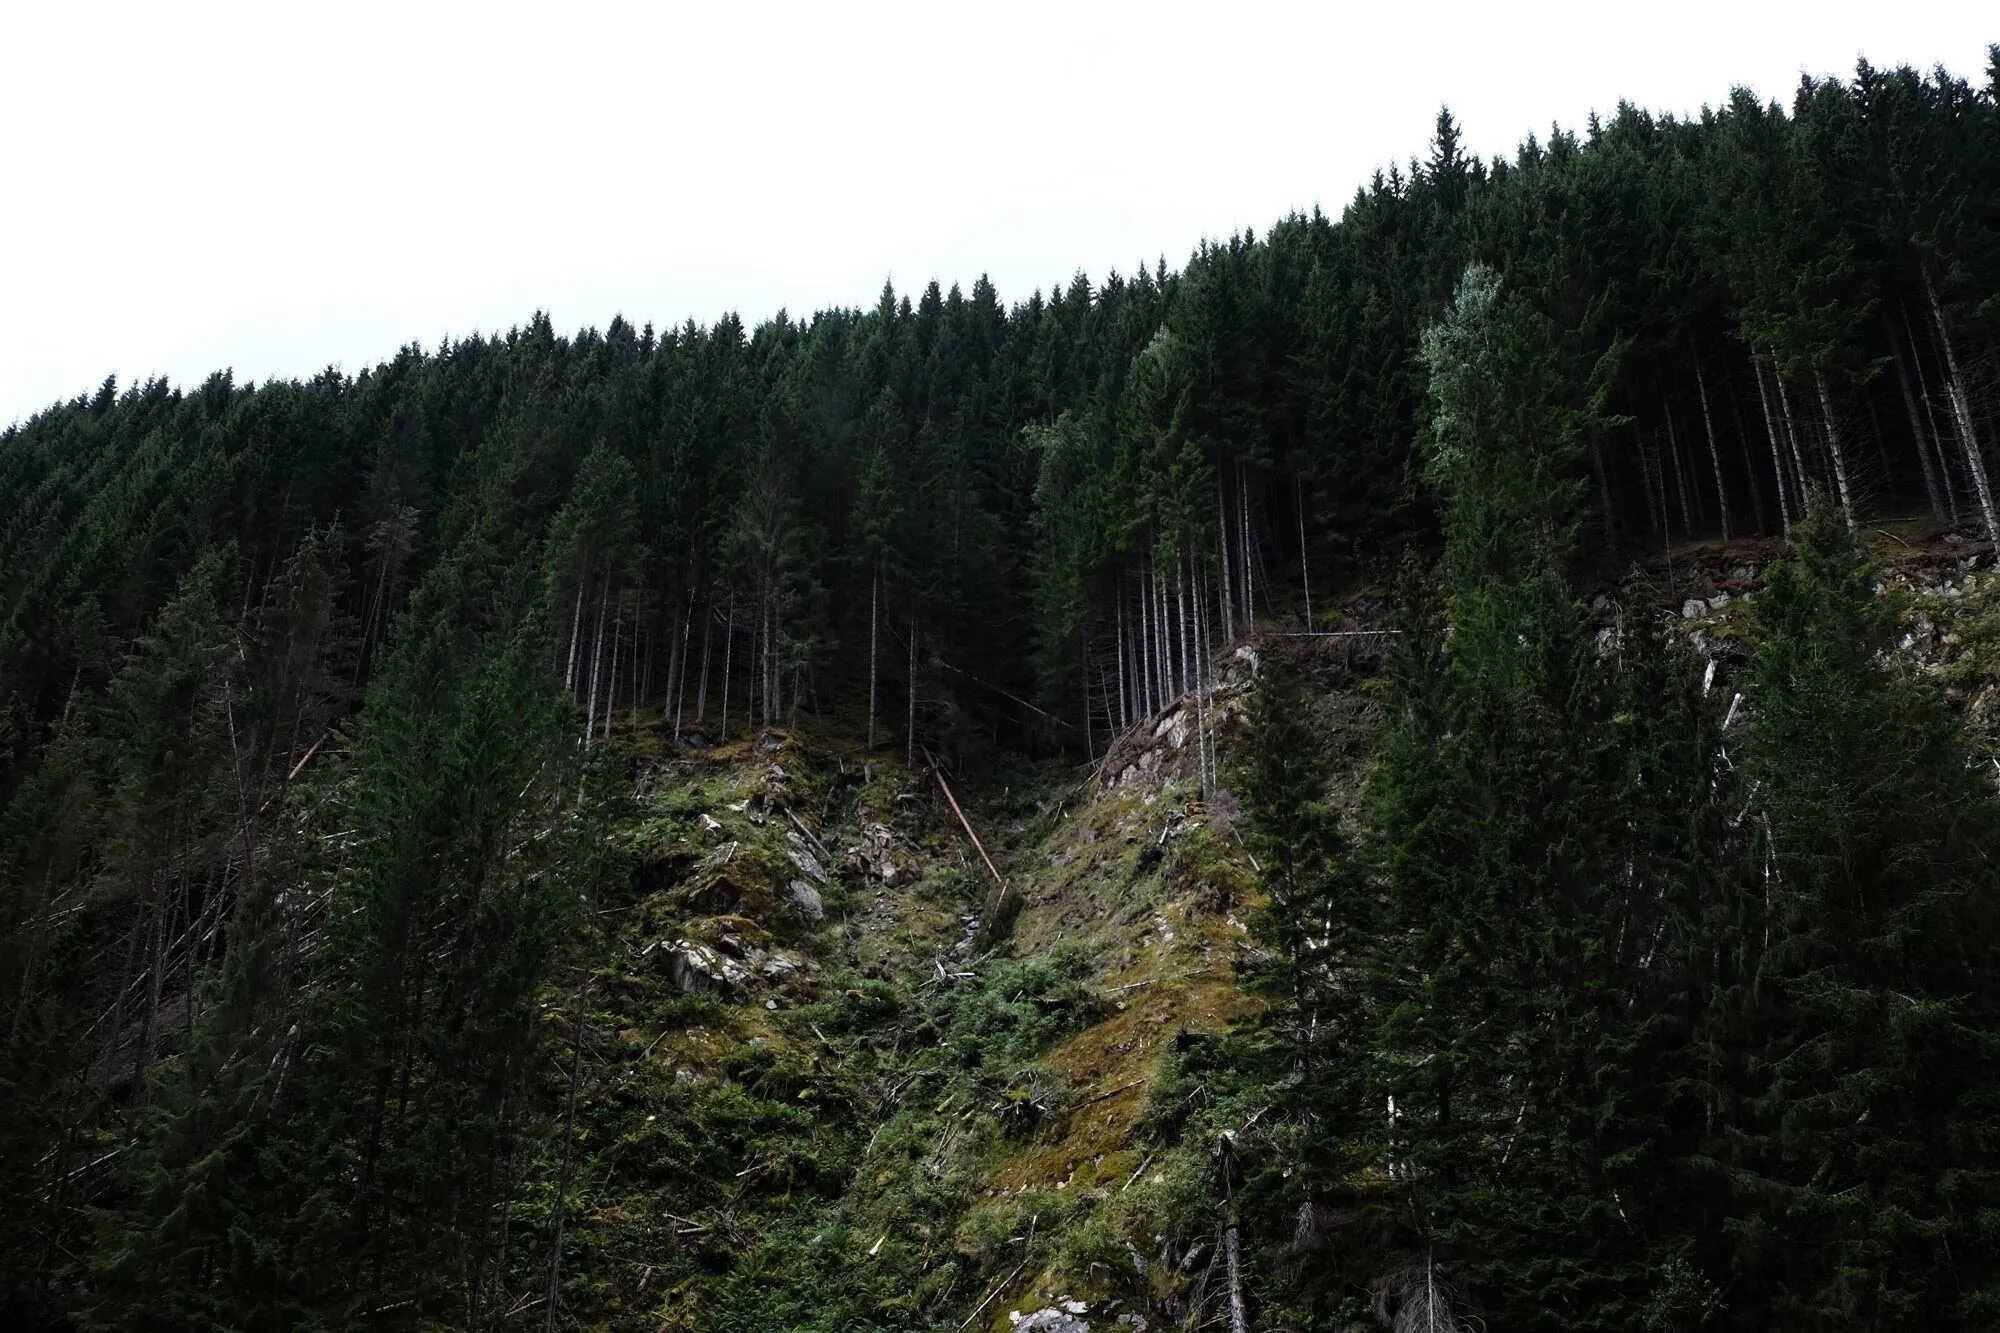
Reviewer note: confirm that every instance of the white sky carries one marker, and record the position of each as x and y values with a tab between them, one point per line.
277	187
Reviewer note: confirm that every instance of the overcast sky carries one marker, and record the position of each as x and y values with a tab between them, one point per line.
280	187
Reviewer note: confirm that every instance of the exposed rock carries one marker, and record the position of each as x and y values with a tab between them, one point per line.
771	740
1062	1317
806	898
803	858
711	827
695	967
1693	606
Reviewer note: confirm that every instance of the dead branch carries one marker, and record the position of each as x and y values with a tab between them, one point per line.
966	824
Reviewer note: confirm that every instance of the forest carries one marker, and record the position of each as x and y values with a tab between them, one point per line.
355	731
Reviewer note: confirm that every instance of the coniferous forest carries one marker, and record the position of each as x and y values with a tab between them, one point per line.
1192	798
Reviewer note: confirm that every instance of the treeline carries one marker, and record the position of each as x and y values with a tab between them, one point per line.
298	681
1633	1003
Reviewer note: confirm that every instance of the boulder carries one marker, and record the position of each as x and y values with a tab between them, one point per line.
803	858
1065	1316
695	967
806	898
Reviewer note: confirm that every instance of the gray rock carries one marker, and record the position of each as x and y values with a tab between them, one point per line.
695	967
805	860
1693	606
806	898
1062	1317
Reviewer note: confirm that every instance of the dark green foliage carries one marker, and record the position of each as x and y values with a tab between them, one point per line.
1868	1136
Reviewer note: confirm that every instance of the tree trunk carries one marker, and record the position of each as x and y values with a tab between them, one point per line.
1743	448
1945	482
1961	410
1147	641
680	691
1799	470
728	652
1200	690
575	620
1604	496
1656	489
707	634
1916	423
611	676
874	601
910	728
1089	744
596	660
552	1299
1305	565
1777	454
1181	574
1222	541
1680	474
1249	573
1833	447
1714	454
1124	712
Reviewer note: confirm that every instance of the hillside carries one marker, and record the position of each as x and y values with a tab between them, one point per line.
1432	769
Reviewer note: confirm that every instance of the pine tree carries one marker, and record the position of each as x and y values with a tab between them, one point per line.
1867	1154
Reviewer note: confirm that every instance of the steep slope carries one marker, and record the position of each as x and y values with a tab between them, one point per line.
830	1076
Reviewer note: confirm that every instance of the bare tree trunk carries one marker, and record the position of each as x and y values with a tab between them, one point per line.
766	650
1680	474
874	601
1200	690
910	728
1833	447
1656	488
1147	639
1222	541
1714	454
728	652
1961	410
1187	629
642	689
552	1299
1249	572
1089	743
1743	448
707	634
1604	495
1777	454
1124	711
673	667
1305	565
1943	461
575	620
611	676
680	691
596	660
1938	508
1232	1245
1799	470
